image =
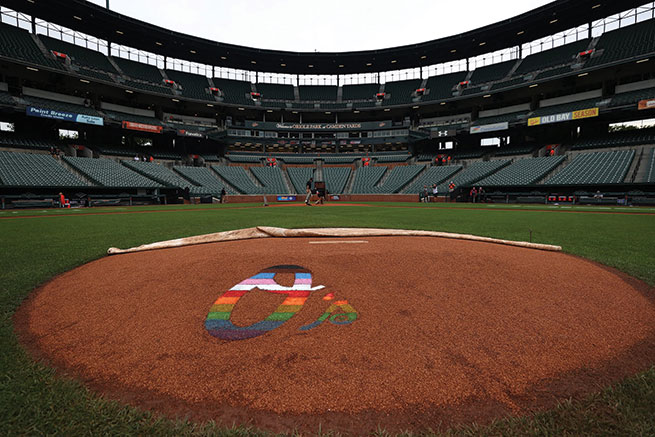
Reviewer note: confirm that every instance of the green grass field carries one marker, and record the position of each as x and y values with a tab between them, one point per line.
37	245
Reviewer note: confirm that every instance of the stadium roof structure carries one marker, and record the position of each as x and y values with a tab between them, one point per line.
111	26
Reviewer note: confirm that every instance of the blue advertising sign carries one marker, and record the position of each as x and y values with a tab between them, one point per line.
65	116
286	198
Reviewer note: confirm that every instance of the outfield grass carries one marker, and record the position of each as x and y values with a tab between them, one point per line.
34	401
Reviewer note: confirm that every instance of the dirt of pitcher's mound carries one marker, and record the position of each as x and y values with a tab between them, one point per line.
447	332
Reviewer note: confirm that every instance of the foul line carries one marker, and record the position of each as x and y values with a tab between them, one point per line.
339	242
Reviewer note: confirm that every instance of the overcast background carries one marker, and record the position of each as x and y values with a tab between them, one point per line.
308	25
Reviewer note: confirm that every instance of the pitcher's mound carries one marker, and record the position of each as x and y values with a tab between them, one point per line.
406	332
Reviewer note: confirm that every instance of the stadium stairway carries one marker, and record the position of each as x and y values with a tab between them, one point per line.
287	180
76	172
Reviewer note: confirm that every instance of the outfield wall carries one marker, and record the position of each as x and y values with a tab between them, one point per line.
271	198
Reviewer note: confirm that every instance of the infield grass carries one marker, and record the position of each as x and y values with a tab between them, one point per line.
36	402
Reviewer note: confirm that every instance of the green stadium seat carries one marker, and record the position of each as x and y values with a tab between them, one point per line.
523	172
108	173
35	170
336	179
594	168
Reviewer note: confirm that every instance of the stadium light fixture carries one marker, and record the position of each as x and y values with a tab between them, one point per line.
210	105
520	33
176	100
423	57
453	51
387	109
554	21
486	96
119	32
294	112
77	18
84	81
241	109
269	110
641	61
534	85
595	6
158	43
341	65
482	43
192	52
310	66
442	103
415	107
129	91
31	1
368	64
253	62
223	58
327	113
394	61
356	111
32	68
583	74
283	65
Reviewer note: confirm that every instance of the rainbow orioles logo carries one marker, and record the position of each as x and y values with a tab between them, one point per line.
218	322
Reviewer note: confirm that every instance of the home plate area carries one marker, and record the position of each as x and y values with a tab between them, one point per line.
401	333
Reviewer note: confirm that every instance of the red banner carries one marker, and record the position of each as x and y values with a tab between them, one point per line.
142	127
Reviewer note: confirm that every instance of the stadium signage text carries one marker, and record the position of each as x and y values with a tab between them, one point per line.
272	126
65	116
142	127
191	134
489	128
286	198
565	116
646	104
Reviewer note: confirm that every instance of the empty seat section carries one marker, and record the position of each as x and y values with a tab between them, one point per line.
441	87
271	179
245	159
317	93
390	158
400	92
344	159
649	176
24	141
32	170
473	173
616	139
194	86
523	172
302	159
139	70
110	173
360	92
275	91
165	176
632	97
433	175
624	43
336	179
81	56
18	44
398	178
492	72
299	177
554	57
236	92
205	178
238	178
366	178
595	168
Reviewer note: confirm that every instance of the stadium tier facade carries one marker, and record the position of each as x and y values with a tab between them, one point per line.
542	107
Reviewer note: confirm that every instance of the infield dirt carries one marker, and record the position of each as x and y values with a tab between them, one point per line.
447	332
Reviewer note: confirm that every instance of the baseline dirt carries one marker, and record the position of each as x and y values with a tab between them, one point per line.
447	332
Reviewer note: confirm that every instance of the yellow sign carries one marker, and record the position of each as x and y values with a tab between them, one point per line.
536	121
585	113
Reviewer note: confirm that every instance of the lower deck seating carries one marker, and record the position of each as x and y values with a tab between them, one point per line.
595	168
398	178
35	170
110	173
203	177
473	173
433	175
165	176
299	177
238	178
336	179
366	178
271	179
523	172
649	177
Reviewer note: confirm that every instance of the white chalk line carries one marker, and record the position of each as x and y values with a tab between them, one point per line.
339	242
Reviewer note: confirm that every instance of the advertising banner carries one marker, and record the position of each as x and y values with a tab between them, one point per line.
565	116
366	125
64	116
443	133
646	104
489	128
286	198
191	134
142	127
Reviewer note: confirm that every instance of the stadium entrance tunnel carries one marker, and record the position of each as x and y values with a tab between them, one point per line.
348	333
